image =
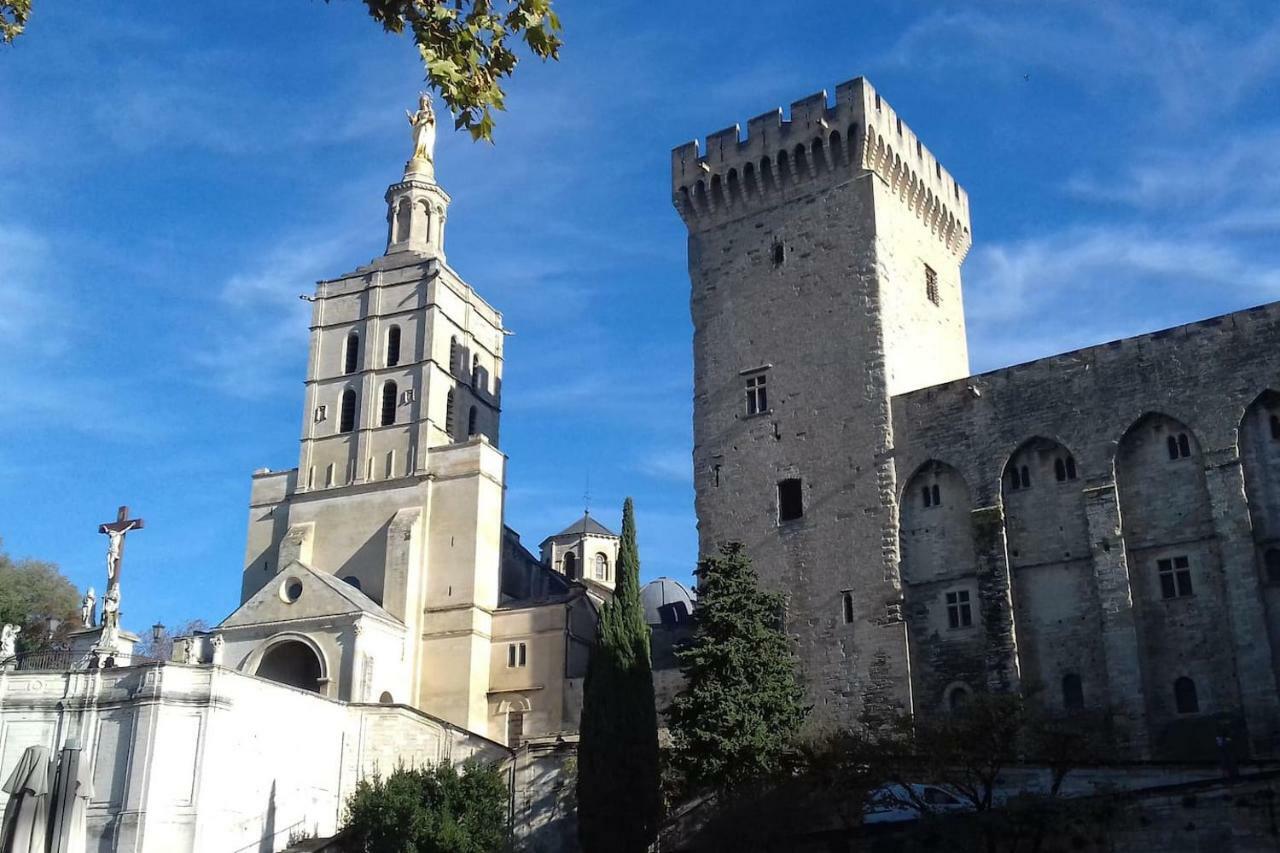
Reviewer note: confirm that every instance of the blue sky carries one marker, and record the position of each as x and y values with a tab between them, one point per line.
173	175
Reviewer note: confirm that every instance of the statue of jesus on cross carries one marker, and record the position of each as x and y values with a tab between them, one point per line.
115	532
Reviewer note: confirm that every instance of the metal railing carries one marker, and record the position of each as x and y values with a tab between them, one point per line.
62	660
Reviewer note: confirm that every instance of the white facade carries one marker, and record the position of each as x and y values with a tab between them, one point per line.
198	758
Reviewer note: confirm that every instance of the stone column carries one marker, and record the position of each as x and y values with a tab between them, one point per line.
1255	672
1119	629
1001	645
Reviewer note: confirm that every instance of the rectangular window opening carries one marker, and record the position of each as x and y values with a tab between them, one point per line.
757	395
1175	577
959	609
931	284
847	606
790	500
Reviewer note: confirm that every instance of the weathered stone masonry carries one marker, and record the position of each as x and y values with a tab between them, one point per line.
1100	529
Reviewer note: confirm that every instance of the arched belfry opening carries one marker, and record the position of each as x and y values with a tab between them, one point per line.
293	663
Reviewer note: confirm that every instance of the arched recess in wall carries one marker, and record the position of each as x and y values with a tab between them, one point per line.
404	218
1056	607
1175	570
293	660
936	535
570	563
1260	461
940	584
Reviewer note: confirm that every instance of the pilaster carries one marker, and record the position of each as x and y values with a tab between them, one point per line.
1119	628
1255	672
1001	645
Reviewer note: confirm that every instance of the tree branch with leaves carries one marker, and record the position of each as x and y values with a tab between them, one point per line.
469	48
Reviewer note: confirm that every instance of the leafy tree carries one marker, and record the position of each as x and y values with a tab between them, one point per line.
33	592
619	799
737	717
435	810
468	47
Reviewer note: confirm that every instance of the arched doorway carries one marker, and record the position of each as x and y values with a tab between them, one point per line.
294	663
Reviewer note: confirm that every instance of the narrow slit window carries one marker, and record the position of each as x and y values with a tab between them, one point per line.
1184	445
471	421
523	657
1059	470
390	394
511	655
1025	474
790	500
1072	692
846	604
515	729
1275	427
1071	467
351	358
453	355
448	413
347	420
936	493
393	346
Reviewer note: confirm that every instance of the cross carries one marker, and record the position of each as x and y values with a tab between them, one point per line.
115	531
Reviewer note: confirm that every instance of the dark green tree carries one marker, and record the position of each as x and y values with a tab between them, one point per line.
38	597
436	810
619	800
736	719
468	47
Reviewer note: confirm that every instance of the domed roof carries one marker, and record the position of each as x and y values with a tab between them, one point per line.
666	602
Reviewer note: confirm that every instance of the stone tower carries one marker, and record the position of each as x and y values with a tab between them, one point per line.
399	486
824	259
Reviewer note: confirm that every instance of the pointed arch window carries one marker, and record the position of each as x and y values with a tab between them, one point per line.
351	356
389	394
448	413
347	420
393	346
1185	698
471	422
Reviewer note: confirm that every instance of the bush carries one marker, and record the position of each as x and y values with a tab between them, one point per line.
435	810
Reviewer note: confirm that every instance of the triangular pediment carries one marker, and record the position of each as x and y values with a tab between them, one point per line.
300	592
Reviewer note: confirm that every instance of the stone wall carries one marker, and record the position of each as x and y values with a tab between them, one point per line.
1071	584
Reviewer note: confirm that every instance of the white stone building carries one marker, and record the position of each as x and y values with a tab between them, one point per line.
386	613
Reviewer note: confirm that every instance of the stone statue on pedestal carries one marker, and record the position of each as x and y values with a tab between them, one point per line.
424	130
218	645
88	608
110	618
9	641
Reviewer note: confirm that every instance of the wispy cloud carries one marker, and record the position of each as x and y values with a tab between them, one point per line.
1101	46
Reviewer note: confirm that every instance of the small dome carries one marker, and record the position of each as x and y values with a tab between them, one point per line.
666	602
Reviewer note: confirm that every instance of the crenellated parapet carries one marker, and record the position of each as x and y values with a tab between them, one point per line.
821	145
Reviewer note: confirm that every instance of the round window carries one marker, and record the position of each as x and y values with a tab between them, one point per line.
291	590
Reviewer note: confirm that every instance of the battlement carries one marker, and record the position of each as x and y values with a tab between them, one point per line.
821	143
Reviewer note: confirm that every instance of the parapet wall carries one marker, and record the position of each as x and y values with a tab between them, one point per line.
821	143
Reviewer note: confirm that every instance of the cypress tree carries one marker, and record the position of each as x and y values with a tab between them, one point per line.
618	786
741	706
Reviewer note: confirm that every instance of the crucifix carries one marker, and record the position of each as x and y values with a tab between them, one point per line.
115	532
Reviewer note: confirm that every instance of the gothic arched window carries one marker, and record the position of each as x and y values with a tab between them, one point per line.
1184	696
351	358
602	567
389	394
448	413
347	420
393	346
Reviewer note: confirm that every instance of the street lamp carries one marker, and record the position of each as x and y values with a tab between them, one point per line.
157	633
